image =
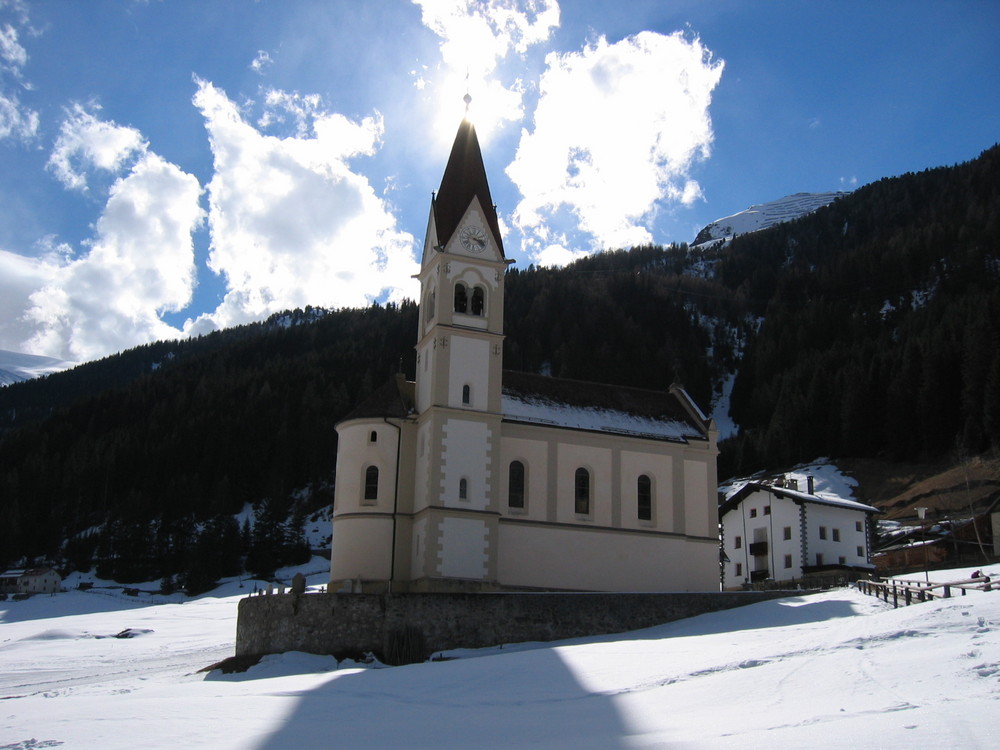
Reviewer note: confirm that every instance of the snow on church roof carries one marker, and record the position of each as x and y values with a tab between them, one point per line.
571	404
568	404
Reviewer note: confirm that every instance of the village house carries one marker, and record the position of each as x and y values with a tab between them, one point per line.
473	478
30	581
777	533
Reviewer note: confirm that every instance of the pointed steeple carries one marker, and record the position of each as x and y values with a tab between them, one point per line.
464	178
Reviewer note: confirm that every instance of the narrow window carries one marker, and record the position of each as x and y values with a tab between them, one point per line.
461	298
739	569
753	513
861	551
478	300
738	542
836	535
857	526
433	305
515	485
788	561
371	483
819	558
644	490
463	489
373	437
466	394
582	491
822	532
787	533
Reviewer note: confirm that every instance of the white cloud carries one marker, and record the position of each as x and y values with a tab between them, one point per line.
13	55
558	255
291	224
476	35
16	120
20	277
139	265
616	130
86	143
261	61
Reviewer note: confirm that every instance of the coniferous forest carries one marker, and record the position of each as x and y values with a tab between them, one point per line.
870	328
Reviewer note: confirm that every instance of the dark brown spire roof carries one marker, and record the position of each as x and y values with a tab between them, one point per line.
464	178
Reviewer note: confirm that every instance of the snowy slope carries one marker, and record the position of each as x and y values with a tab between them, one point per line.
15	366
831	670
765	215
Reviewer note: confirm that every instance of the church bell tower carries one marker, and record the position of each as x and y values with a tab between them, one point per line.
459	363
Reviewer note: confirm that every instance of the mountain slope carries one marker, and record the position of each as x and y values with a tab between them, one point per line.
764	215
15	367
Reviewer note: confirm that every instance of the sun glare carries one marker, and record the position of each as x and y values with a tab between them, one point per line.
490	106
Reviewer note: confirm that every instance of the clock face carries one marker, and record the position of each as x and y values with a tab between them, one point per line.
474	239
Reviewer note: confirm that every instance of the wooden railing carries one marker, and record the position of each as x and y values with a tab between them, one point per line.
901	591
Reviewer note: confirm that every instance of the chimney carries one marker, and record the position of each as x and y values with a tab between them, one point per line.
811	484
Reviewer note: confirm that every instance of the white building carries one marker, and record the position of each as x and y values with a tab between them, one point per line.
473	478
777	533
30	581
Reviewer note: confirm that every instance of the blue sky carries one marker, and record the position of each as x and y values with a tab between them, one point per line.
168	168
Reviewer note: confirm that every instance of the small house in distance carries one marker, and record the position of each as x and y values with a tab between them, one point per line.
30	581
778	533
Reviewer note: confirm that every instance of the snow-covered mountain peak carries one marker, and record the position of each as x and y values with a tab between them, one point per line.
15	366
764	215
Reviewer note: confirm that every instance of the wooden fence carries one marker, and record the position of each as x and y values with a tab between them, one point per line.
901	591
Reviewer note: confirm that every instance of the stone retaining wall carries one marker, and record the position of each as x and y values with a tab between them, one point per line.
352	624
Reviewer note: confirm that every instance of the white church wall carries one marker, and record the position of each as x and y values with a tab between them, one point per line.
700	514
418	550
534	454
596	460
587	559
361	549
659	469
464	548
464	446
474	355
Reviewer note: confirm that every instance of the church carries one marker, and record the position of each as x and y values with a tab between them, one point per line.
473	478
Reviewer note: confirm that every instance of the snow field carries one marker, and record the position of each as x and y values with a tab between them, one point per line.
830	670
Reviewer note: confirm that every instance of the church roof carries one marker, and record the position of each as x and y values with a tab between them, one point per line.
395	398
598	407
566	404
464	178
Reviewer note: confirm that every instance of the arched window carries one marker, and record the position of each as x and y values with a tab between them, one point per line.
582	492
644	492
463	489
461	298
515	485
466	394
371	483
478	300
373	437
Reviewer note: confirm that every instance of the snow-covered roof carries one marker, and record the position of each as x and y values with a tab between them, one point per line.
570	404
539	411
824	498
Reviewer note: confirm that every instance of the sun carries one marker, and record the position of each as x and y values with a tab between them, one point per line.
484	101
